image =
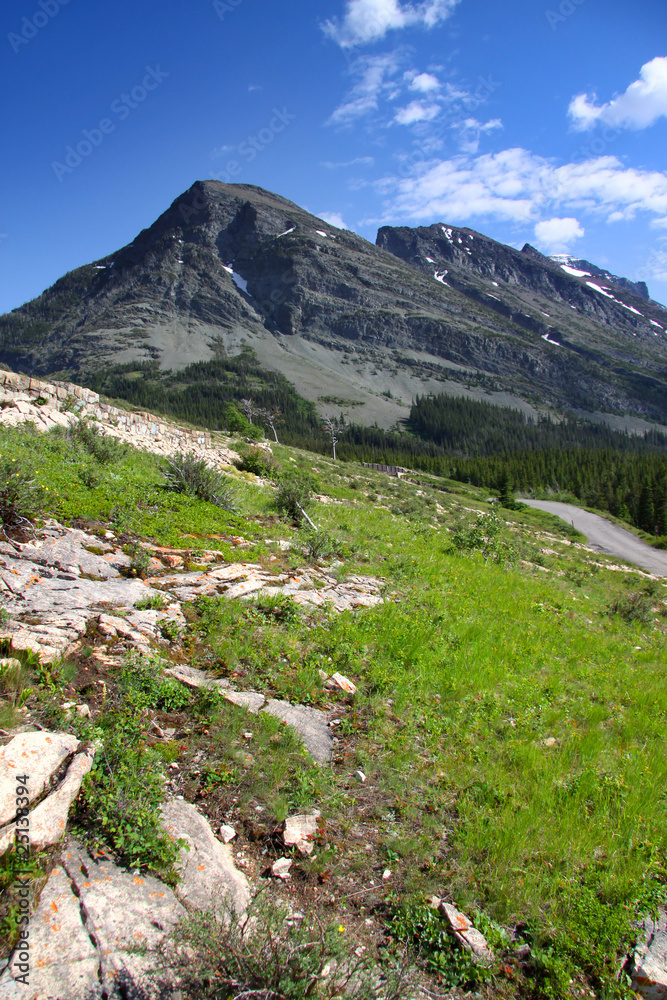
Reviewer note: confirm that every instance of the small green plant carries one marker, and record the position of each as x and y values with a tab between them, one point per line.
141	560
156	602
426	933
294	494
192	476
19	496
145	686
119	805
635	607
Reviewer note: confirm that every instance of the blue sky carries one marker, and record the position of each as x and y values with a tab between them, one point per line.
530	120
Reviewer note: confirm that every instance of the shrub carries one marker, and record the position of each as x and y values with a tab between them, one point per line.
483	536
104	449
319	545
192	476
259	461
267	955
635	607
295	494
18	496
119	806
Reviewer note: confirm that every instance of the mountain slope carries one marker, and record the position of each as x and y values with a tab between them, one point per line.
355	327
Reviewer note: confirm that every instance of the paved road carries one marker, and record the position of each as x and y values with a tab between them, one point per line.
607	537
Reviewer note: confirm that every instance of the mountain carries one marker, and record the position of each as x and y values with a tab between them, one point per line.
355	327
583	268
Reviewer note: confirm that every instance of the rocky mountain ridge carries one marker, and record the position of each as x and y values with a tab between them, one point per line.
355	327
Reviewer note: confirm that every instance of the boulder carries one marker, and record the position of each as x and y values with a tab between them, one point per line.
209	878
49	819
464	932
35	756
649	965
311	725
300	830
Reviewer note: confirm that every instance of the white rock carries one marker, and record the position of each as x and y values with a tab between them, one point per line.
281	868
649	977
300	831
36	756
342	682
48	820
227	834
361	776
208	874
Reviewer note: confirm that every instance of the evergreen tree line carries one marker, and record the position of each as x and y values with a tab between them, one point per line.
465	440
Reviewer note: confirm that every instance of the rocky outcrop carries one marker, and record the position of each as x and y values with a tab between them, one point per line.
60	404
45	770
649	963
98	930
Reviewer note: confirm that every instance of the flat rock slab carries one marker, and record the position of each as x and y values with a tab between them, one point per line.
48	820
36	756
209	878
127	917
64	963
649	978
311	725
194	678
71	553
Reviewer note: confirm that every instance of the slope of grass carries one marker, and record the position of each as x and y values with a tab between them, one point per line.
510	726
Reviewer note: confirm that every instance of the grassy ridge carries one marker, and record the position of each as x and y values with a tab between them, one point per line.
510	726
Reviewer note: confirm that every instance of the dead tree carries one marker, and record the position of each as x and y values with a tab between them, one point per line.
271	417
331	427
248	409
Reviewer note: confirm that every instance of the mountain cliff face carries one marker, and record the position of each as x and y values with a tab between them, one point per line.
354	326
568	263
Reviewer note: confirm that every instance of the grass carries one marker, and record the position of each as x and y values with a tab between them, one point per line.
509	716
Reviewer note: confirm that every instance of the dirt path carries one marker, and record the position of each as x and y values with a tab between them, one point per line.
607	537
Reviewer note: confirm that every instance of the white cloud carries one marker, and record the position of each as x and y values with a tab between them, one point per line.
333	218
375	74
471	131
558	234
642	104
358	161
518	186
370	20
423	82
417	111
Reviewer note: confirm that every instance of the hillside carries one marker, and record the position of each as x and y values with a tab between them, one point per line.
416	751
355	328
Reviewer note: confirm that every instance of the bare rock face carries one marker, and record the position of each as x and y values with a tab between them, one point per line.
649	976
36	757
96	935
40	759
209	878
